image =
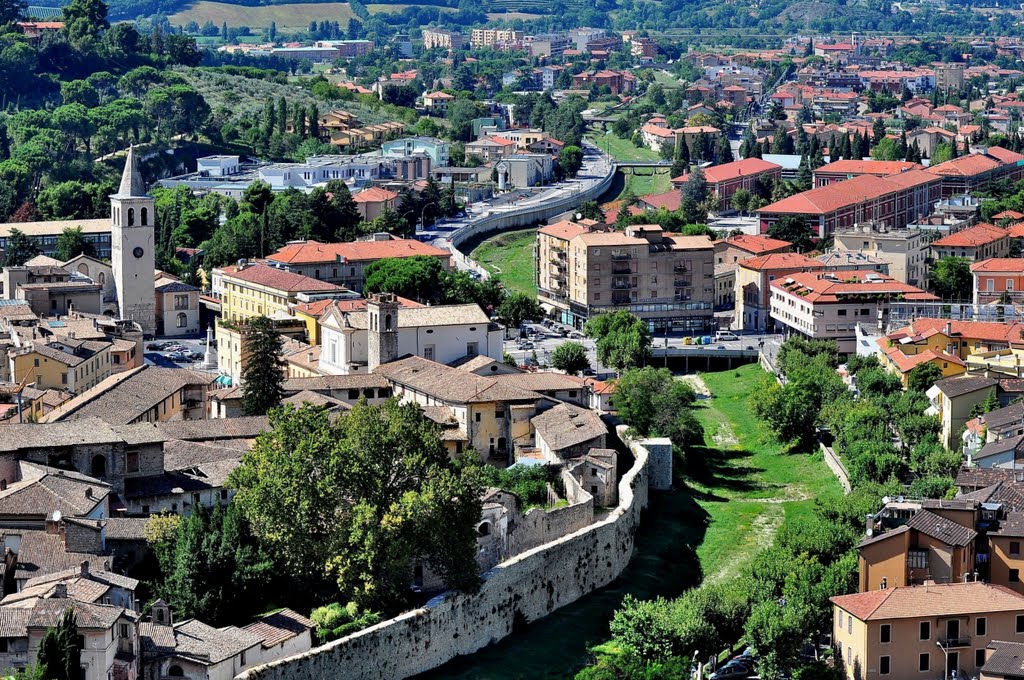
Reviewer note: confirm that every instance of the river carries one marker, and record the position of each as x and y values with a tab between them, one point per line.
664	563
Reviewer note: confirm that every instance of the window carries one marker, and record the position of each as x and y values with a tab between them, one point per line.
36	361
353	394
1020	623
223	494
917	559
979	657
840	619
181	301
132	461
471	348
1015	548
182	320
841	312
980	626
1014	576
241	658
885	633
926	631
64	378
123	630
476	416
145	509
849	625
923	663
883	665
428	352
593	489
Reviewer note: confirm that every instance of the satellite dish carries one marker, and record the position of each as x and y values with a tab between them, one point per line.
57	516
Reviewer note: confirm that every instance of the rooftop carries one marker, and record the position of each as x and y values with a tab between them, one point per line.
308	252
929	601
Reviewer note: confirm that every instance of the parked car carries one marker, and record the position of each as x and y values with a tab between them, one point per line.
732	671
177	356
526	345
575	335
154	346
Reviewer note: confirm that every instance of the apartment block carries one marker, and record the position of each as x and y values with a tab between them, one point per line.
830	306
906	250
440	38
754	276
665	279
999	278
927	631
489	37
980	242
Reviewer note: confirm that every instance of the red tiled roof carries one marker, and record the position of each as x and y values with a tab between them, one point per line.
930	601
971	237
824	200
670	200
745	167
908	362
781	261
1008	215
879	168
279	279
1016	230
564	230
1000	264
1004	155
374	195
304	252
757	243
319	307
965	166
975	330
814	287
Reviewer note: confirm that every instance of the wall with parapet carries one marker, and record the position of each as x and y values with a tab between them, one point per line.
530	585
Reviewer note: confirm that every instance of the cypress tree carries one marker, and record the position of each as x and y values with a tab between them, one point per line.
224	31
314	122
262	375
282	116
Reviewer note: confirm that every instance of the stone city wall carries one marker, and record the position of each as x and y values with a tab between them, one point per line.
530	585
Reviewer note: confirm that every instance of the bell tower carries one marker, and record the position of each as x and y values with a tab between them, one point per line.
382	335
132	245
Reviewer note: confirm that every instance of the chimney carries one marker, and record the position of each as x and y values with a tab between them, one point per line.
309	357
84	568
106	565
60	591
870	528
949	329
3	485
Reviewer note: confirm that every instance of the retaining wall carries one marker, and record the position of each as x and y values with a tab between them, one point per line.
530	585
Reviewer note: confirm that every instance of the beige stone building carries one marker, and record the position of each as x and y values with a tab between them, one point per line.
488	37
924	631
665	279
906	250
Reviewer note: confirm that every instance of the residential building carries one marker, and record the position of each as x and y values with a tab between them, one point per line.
439	38
923	631
98	272
998	279
177	308
192	649
549	45
371	203
852	261
491	148
437	102
753	174
133	214
62	364
147	394
744	246
644	49
906	250
842	170
50	290
893	202
491	418
489	37
969	174
953	399
524	170
980	242
826	306
949	76
360	340
256	289
619	82
344	264
665	279
754	277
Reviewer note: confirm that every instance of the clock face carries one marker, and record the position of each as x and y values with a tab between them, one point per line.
137	252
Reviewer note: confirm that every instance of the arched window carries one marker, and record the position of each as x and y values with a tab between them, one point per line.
145	216
83	268
131	216
99	466
102	278
387	322
175	672
484	529
182	320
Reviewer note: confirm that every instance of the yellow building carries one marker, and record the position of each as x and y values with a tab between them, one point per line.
63	364
252	289
923	631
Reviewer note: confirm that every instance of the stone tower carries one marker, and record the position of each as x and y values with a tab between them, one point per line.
132	242
382	336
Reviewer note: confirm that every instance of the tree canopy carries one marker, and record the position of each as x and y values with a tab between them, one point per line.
623	340
261	374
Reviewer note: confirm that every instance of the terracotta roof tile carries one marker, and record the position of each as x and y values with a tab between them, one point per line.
308	252
971	237
947	599
278	279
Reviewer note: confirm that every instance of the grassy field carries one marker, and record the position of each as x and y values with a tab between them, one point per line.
288	17
623	149
667	80
641	185
510	256
750	486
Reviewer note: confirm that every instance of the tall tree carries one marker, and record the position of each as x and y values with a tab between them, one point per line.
314	122
623	341
59	652
11	10
362	497
72	243
951	279
20	249
261	375
570	357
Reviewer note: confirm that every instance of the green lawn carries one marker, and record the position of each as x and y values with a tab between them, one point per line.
623	149
641	185
667	80
750	487
510	256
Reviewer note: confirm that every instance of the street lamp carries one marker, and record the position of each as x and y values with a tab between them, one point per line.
423	212
945	653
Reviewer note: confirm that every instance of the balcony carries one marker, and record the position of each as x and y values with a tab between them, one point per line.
680	269
682	283
558	276
620	255
681	298
558	263
620	298
954	642
621	268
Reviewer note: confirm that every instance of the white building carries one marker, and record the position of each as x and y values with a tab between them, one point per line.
443	334
132	246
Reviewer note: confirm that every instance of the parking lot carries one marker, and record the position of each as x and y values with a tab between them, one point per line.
177	352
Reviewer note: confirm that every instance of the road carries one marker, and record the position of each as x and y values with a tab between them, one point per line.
596	166
547	339
159	357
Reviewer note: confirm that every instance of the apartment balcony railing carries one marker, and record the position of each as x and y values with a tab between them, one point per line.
621	268
620	299
680	269
682	283
618	255
952	642
621	284
558	276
